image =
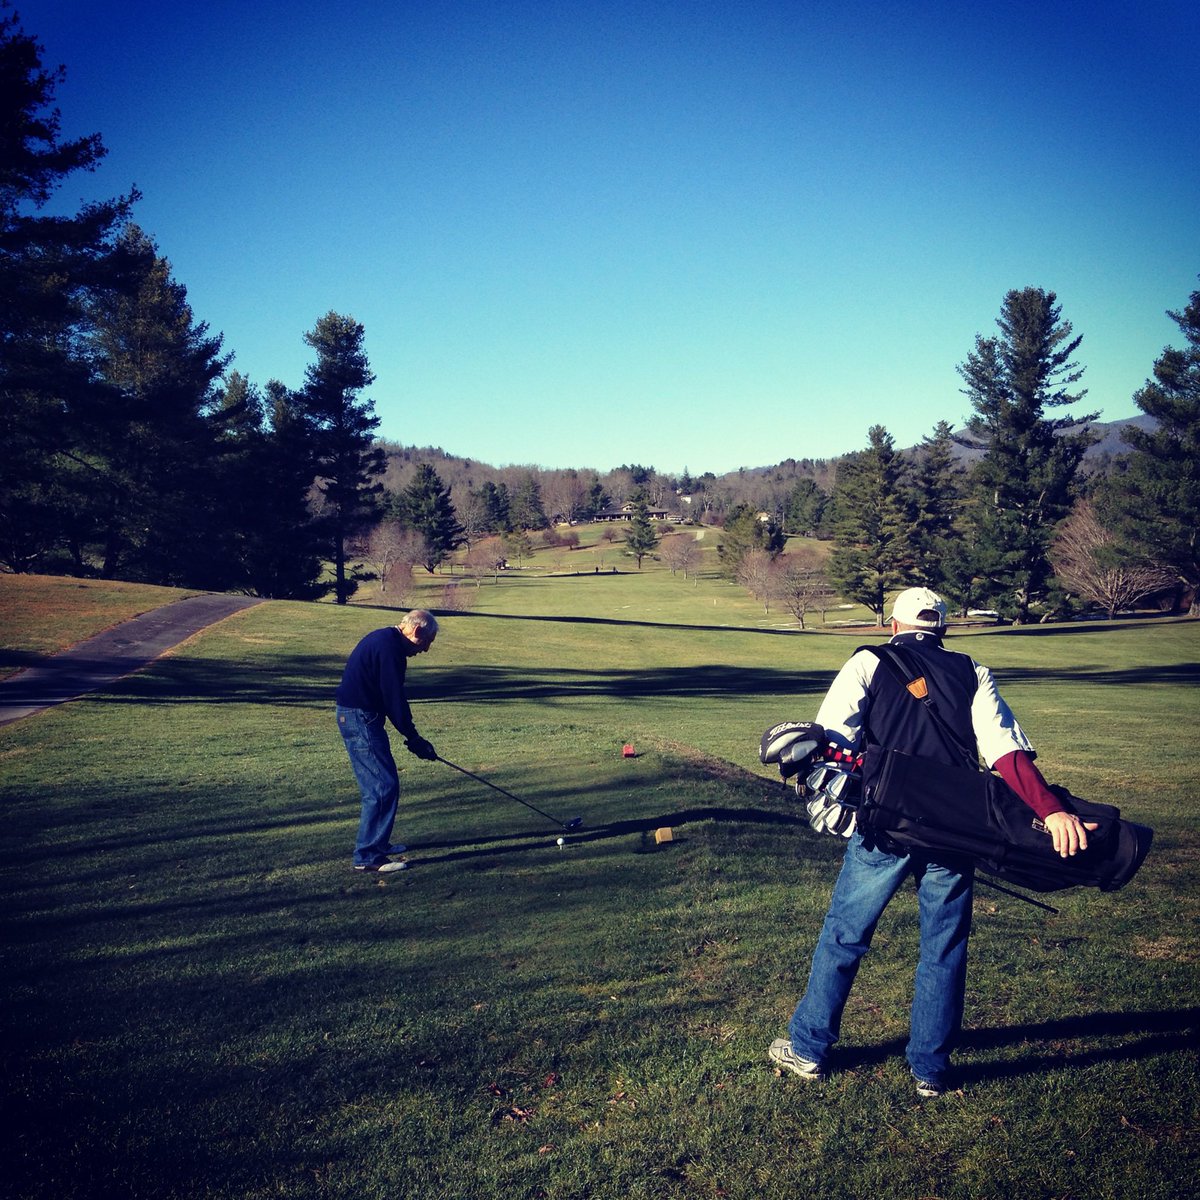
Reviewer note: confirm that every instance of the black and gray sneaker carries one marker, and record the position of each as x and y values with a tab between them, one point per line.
928	1090
384	868
782	1054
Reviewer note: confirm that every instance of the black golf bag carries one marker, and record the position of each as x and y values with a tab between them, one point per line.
915	803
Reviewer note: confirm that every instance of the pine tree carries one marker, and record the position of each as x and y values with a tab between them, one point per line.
804	507
641	538
938	485
525	508
282	541
744	530
1154	498
348	461
50	267
1026	481
151	440
425	507
874	527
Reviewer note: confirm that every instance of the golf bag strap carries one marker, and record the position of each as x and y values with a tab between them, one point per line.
915	685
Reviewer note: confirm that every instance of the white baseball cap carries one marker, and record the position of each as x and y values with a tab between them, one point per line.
909	606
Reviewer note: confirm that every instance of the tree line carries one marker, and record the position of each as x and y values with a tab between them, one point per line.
132	449
1023	530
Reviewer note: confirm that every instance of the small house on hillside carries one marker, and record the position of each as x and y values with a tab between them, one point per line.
625	513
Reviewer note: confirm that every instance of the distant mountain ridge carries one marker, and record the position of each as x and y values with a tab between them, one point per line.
1110	443
763	487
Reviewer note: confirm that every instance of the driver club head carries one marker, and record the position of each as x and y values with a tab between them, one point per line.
573	823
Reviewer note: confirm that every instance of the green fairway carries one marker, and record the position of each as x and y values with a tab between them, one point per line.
201	998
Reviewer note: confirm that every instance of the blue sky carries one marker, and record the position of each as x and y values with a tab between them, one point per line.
695	234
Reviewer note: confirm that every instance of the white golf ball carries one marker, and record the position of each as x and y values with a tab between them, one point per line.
562	841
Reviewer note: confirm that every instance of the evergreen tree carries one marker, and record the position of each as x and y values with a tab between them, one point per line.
641	538
804	507
50	266
873	525
282	553
424	506
1153	499
938	485
151	441
1026	480
595	500
494	508
348	461
525	508
745	531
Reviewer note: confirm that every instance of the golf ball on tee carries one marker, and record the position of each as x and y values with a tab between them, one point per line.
562	841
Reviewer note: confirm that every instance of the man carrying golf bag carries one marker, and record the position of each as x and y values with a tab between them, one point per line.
870	707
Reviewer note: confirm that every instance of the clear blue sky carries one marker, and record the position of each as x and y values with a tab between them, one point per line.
682	233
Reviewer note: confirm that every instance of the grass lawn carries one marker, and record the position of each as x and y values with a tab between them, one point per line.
202	1000
40	615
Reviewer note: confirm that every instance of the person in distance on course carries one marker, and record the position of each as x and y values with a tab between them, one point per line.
866	705
370	693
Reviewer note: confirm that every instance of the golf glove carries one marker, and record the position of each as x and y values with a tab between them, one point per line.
421	748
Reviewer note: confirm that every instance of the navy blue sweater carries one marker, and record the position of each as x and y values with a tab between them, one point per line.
374	678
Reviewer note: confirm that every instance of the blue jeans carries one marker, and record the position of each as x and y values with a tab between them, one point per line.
868	880
370	753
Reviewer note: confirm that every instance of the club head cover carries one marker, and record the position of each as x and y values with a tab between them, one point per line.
791	738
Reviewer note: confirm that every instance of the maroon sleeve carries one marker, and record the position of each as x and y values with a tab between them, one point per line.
1020	772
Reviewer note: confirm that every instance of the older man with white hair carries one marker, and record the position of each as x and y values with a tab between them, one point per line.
866	706
372	692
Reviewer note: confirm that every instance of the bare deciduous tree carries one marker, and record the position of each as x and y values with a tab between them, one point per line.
756	573
484	558
801	584
681	552
1089	561
392	552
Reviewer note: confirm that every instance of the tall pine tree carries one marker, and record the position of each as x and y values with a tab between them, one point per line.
152	439
50	268
938	485
1025	483
343	423
873	525
641	538
425	507
1154	498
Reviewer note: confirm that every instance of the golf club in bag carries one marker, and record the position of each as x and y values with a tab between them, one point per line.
573	823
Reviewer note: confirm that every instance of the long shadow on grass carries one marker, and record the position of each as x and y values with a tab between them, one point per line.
308	680
461	849
1155	1032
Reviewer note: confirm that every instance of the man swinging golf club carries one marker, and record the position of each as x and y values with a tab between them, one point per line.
372	691
866	706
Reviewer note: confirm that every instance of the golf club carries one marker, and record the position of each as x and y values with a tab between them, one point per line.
573	823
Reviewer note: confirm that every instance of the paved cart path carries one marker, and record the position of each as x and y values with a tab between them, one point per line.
113	654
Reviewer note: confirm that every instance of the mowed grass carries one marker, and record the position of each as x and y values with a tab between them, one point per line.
203	1000
42	615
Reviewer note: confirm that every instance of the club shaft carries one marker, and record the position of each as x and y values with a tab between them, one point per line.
503	791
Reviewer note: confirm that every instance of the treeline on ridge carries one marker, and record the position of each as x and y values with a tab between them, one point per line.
133	450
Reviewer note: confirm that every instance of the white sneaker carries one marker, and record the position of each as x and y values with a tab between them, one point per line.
782	1054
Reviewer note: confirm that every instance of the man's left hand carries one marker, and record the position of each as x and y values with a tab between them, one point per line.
1068	831
421	748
